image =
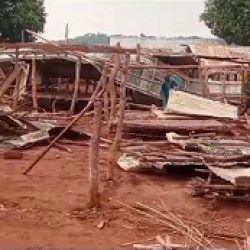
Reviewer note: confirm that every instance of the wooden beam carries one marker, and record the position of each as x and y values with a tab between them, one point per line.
34	84
76	85
18	78
140	66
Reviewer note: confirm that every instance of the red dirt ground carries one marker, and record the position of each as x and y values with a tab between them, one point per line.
49	207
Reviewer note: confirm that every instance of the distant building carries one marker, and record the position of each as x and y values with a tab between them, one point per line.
159	42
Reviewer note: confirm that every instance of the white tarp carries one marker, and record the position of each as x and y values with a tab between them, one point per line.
184	103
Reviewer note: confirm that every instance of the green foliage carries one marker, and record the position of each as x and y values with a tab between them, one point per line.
17	15
91	38
229	20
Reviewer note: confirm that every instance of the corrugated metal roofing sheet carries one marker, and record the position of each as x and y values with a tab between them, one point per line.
221	51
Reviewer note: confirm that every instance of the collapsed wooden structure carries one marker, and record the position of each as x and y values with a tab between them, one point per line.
69	73
93	74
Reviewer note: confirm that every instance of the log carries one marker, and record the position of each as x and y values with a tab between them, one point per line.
94	152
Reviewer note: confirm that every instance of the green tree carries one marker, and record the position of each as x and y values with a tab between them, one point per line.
229	20
18	15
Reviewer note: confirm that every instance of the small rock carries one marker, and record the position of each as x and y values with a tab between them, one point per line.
58	156
101	225
2	208
13	155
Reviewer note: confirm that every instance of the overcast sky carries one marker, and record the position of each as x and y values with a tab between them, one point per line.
131	17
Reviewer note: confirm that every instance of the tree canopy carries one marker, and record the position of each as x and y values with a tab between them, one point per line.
18	15
229	20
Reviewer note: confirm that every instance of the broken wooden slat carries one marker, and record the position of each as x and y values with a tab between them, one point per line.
9	80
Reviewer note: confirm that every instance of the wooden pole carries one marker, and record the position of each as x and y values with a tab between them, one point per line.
118	136
34	85
94	150
17	87
244	95
67	33
97	93
205	84
76	85
138	53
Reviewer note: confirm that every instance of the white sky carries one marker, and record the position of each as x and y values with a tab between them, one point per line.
130	17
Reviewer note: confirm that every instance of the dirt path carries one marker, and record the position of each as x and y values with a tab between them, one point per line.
49	207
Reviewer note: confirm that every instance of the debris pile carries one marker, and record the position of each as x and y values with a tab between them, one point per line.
20	133
216	146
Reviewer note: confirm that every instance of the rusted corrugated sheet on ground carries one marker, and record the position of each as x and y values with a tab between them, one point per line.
185	103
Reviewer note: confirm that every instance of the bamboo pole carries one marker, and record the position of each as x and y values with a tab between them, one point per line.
94	150
76	85
97	93
118	136
34	85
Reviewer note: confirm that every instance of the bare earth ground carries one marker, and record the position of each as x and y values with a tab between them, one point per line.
49	207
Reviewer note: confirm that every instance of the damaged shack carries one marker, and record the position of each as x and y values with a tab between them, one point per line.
48	78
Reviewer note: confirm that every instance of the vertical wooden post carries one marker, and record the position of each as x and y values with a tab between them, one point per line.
87	83
94	150
17	87
77	80
244	95
67	33
34	84
138	52
224	79
118	136
205	85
